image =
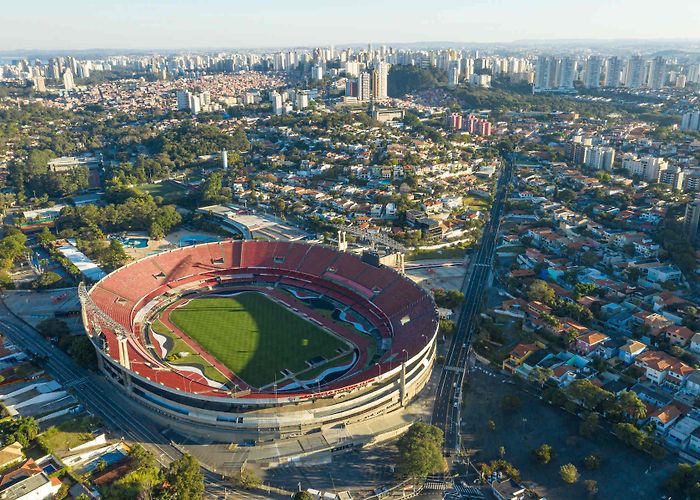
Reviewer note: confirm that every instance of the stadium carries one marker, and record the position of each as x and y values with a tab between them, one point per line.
268	337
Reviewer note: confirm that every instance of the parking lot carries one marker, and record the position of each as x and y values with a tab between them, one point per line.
625	473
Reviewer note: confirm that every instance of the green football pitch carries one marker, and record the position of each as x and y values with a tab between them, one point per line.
253	336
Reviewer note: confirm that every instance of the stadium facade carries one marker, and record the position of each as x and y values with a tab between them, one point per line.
396	314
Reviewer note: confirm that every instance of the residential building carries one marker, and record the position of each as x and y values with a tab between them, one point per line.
594	67
648	168
657	73
364	84
613	72
691	120
636	71
691	221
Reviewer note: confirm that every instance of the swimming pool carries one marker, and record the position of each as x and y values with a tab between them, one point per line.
194	239
134	242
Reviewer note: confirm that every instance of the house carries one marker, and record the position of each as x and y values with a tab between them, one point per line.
695	343
588	342
659	367
679	434
518	355
651	396
679	335
11	454
630	351
28	481
665	417
692	383
508	489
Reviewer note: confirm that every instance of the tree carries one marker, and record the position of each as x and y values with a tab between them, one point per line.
589	425
502	452
53	328
46	280
591	487
83	352
568	473
420	451
587	393
582	289
248	479
684	481
491	425
113	256
185	478
6	282
510	403
632	405
22	429
592	462
303	495
543	453
540	291
540	375
630	435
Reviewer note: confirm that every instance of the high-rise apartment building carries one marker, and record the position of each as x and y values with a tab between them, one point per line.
613	72
691	120
636	72
600	158
567	72
363	86
648	168
657	73
68	81
380	80
594	67
453	70
691	221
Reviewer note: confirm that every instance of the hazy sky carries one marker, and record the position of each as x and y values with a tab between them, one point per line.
81	24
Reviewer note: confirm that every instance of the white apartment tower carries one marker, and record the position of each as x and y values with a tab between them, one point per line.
613	72
594	67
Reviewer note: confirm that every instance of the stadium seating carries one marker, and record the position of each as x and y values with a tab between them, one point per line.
398	308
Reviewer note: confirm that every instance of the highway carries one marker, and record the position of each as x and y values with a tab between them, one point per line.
101	398
448	399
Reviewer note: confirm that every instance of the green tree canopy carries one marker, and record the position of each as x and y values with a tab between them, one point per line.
420	451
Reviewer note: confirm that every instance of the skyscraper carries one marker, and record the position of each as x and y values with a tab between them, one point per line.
68	82
566	73
691	221
380	79
657	74
636	69
453	73
613	72
594	67
363	86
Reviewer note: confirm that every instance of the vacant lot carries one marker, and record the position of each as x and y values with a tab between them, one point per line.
253	336
625	473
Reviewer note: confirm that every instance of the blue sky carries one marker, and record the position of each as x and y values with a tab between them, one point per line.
80	24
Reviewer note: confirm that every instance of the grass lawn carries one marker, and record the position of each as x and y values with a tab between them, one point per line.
70	433
165	189
192	359
456	252
253	336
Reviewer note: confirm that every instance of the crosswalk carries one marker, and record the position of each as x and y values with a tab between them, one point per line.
469	491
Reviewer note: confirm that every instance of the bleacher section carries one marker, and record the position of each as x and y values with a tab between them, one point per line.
401	311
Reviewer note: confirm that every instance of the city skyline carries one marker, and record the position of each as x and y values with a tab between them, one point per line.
76	25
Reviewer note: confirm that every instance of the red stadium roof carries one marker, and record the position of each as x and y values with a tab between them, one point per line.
397	307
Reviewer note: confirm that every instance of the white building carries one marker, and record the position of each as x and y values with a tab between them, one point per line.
647	168
594	67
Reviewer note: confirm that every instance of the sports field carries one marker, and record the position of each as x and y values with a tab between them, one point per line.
253	336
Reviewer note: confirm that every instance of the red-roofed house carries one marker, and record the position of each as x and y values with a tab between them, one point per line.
588	342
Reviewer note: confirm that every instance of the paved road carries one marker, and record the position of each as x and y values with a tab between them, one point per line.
100	396
448	400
